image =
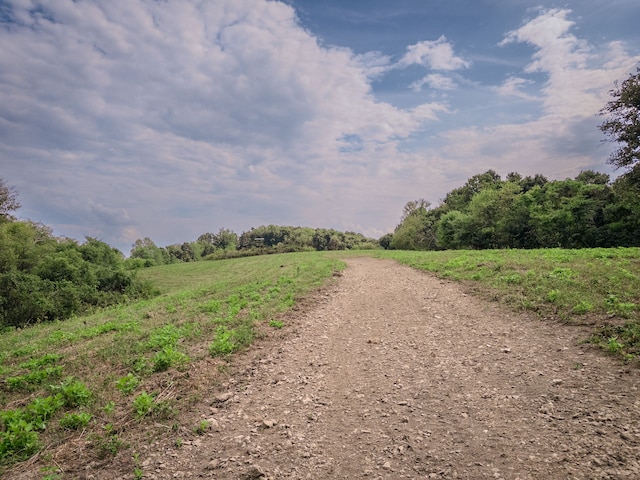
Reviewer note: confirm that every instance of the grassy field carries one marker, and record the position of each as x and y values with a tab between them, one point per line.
101	376
94	374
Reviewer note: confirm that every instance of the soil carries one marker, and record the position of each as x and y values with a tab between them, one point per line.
395	374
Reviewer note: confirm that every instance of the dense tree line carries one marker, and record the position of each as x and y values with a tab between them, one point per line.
532	212
524	212
260	240
45	278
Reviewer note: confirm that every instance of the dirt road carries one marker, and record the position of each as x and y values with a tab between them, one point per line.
396	374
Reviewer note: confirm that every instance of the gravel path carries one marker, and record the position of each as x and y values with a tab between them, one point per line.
396	374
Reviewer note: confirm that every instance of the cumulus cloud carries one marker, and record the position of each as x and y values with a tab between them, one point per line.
564	138
578	78
436	55
128	118
512	87
435	81
184	108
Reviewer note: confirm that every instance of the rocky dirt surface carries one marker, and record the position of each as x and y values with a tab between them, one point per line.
396	374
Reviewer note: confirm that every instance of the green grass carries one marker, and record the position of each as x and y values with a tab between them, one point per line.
599	287
111	359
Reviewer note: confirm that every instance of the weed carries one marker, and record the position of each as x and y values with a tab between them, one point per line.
202	427
276	324
143	404
561	273
178	443
616	307
46	359
138	473
553	296
127	384
74	393
582	307
108	444
168	357
18	441
109	408
613	346
40	410
223	343
30	381
75	421
51	473
140	366
513	278
167	336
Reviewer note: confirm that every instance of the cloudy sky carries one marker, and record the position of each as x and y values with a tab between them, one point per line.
123	119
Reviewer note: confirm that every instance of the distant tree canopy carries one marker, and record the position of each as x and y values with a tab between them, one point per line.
524	212
260	240
622	125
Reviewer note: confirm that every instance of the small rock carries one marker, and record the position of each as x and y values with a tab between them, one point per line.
213	464
269	423
223	397
254	473
386	466
556	381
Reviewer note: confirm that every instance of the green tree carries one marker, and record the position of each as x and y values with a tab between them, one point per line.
622	124
146	250
385	241
459	198
453	230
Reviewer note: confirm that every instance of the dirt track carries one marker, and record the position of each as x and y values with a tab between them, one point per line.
396	374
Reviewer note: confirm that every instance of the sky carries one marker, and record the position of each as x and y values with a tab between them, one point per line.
125	119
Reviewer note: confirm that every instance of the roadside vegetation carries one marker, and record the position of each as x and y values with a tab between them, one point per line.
100	375
598	287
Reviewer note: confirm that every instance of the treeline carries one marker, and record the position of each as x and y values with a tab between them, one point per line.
257	241
524	212
45	278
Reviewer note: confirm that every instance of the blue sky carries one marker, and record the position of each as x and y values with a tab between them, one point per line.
124	119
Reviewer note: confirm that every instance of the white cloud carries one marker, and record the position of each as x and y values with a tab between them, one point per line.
578	79
435	81
563	138
436	55
374	64
162	116
512	86
127	118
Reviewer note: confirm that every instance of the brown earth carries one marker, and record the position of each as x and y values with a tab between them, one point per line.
395	374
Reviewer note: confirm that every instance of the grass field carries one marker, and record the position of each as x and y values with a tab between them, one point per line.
92	375
95	373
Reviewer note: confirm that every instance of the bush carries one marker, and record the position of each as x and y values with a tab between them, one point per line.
43	278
